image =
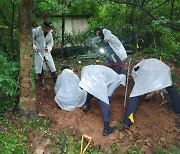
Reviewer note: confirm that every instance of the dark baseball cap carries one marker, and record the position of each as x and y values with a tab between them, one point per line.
48	25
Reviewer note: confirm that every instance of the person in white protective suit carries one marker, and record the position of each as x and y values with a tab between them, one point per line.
68	93
42	44
115	51
150	75
101	81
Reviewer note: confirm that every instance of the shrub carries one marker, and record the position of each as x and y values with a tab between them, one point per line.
9	85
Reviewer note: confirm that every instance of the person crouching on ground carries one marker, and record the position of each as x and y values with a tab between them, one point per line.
101	81
115	49
68	93
42	44
150	75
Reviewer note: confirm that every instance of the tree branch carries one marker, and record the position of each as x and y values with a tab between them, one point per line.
4	18
142	4
127	3
166	1
148	12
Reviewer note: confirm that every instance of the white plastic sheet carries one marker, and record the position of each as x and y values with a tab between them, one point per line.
100	81
68	93
115	44
151	76
41	43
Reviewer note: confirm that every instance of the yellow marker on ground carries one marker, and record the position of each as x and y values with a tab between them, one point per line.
160	58
97	61
131	117
137	46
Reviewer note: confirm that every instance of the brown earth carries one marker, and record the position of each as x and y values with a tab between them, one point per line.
155	123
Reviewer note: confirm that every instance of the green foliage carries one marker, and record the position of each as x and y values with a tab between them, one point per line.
47	6
14	136
171	150
8	27
165	43
68	7
69	142
135	150
9	84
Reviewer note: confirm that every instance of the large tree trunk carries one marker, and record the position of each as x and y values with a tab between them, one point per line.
27	103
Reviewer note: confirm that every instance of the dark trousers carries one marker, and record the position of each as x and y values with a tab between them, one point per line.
175	98
110	60
133	102
105	108
41	75
131	108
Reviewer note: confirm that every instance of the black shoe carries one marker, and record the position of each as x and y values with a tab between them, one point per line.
122	126
109	131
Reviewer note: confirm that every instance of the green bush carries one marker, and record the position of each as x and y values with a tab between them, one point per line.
9	85
164	42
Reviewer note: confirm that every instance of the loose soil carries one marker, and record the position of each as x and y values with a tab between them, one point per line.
156	125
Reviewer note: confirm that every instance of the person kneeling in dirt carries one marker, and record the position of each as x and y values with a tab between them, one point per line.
68	93
42	44
101	81
150	75
115	49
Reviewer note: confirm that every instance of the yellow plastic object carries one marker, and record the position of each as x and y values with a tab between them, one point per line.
137	46
160	58
131	117
6	27
3	26
97	61
88	138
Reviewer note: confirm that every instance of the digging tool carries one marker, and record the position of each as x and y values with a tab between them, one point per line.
44	62
127	81
40	56
85	137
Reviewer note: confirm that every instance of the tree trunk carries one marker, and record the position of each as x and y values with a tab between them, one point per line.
133	23
11	31
27	103
172	9
63	31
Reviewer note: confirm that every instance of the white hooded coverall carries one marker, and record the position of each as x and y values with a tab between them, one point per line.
100	81
115	44
68	93
40	43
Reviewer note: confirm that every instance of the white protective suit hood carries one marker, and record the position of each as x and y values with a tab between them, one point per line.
68	93
100	81
115	44
152	75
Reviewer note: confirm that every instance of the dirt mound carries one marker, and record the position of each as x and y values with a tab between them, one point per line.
155	124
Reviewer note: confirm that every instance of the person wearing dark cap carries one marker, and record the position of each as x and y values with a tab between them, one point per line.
115	51
42	44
